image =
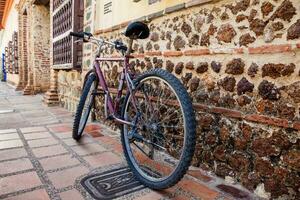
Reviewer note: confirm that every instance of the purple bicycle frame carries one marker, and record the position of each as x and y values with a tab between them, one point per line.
112	108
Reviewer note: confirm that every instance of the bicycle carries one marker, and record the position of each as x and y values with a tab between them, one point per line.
157	119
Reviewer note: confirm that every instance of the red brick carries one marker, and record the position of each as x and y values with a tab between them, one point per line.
298	45
172	53
71	194
199	175
88	149
227	112
66	177
267	120
197	52
49	151
15	166
33	136
37	194
19	182
270	49
201	107
180	197
239	50
12	153
58	162
296	125
198	189
153	53
103	159
33	129
42	142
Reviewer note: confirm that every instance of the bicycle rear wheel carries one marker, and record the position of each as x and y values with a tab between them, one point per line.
159	149
85	105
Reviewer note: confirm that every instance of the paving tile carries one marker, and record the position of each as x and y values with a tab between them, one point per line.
103	159
58	162
33	129
10	144
60	128
71	194
153	195
19	182
199	175
66	177
84	140
33	136
199	190
49	151
15	166
8	131
11	136
34	195
42	142
88	149
64	135
12	153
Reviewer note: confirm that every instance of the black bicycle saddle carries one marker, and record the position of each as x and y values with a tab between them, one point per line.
137	30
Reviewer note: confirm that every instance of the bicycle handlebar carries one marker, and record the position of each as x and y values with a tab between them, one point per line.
88	36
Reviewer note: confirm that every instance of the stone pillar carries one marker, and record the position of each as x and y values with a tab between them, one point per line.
51	96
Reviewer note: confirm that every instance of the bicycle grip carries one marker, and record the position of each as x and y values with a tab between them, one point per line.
77	34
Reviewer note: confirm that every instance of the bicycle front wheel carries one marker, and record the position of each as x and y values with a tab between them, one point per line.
85	105
160	147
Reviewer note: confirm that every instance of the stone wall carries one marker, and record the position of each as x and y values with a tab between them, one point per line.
240	61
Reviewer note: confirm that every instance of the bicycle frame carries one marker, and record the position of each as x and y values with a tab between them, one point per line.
125	77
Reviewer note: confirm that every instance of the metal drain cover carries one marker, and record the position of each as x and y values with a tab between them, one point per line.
111	184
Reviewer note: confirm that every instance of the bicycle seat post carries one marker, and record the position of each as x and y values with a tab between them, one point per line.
129	50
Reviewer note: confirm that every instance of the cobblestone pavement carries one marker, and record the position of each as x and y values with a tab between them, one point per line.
39	159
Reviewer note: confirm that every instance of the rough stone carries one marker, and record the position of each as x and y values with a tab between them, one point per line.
250	180
280	139
154	37
223	170
253	69
239	162
241	17
220	153
268	90
228	83
240	143
226	33
277	26
266	8
170	66
186	29
227	101
257	26
194	83
292	158
202	67
198	23
246	39
286	111
266	107
252	15
243	100
179	68
276	70
189	65
263	167
194	39
288	69
263	147
216	66
235	67
212	30
149	46
285	11
240	6
293	91
224	134
244	86
178	43
294	31
185	79
205	40
156	47
224	16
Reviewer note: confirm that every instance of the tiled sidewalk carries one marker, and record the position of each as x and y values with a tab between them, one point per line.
40	160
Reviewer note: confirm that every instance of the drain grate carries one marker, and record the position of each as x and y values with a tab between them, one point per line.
111	184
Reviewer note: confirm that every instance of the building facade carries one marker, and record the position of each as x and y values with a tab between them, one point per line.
239	60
